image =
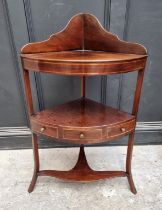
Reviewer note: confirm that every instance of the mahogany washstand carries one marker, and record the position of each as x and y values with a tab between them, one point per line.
83	48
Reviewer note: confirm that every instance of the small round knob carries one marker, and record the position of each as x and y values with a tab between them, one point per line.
123	129
82	136
42	129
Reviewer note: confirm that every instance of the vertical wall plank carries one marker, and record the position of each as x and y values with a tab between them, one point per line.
12	103
118	14
21	37
31	37
145	27
106	24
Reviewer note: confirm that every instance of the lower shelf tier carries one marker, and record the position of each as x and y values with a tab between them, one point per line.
83	121
82	172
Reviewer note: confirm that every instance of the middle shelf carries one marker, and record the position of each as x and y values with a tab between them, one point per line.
82	121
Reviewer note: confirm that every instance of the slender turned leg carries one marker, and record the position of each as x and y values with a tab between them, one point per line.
36	162
128	163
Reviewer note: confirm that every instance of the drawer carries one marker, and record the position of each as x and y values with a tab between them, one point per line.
45	130
73	134
120	130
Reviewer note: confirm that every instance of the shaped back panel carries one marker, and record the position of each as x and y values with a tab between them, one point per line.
97	38
70	38
84	32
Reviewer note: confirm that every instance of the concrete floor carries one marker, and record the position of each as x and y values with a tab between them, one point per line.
16	170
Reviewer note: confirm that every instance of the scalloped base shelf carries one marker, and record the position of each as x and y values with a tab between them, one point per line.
81	172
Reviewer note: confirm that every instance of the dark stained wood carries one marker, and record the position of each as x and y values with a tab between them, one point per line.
83	56
131	136
83	48
36	162
83	121
61	41
138	92
83	86
129	161
82	172
84	32
28	92
98	39
82	63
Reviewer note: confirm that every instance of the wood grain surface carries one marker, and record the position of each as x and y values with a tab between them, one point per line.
83	48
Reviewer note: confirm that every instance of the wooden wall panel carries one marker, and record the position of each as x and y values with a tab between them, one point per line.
12	102
144	26
27	20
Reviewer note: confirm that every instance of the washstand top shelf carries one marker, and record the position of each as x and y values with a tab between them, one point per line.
83	62
83	48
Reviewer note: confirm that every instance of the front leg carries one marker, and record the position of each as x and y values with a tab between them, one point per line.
128	163
36	162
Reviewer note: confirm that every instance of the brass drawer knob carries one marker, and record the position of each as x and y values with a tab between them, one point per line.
82	136
123	129
42	129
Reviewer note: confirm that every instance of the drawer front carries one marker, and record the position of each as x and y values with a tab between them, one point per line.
45	130
72	134
121	129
